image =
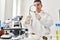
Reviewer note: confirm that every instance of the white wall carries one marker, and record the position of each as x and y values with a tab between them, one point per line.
16	8
52	7
8	9
2	9
25	6
5	9
19	7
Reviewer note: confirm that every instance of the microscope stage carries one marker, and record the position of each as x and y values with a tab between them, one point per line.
6	37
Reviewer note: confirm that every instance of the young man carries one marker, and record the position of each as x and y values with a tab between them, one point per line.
40	22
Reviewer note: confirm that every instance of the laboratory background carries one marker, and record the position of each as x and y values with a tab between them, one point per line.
13	11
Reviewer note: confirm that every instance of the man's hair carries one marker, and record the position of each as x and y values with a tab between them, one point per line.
37	1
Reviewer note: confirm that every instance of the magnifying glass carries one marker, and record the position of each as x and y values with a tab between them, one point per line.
32	9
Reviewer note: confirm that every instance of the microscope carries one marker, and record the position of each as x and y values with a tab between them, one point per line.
17	30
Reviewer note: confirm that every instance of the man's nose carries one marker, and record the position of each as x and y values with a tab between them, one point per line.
37	7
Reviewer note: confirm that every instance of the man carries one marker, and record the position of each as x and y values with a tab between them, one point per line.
40	22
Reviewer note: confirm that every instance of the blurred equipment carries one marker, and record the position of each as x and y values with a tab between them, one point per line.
44	38
17	30
2	24
1	32
57	30
17	20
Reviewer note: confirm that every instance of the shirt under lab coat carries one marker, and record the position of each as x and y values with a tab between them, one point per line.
40	27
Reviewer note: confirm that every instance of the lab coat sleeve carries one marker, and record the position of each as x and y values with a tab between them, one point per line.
47	21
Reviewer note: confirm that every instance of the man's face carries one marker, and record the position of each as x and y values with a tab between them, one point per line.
38	6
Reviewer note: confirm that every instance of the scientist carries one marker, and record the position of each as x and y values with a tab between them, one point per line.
40	22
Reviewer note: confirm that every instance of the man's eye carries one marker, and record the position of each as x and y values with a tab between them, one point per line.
37	4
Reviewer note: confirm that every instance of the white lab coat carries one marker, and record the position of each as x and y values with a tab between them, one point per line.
40	27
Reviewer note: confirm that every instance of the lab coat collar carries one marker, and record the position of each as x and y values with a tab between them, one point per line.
41	13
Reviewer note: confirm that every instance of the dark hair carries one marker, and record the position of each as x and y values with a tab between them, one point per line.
37	1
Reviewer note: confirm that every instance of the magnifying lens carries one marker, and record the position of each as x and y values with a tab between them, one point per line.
32	9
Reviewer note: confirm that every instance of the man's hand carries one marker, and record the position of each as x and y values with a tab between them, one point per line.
28	19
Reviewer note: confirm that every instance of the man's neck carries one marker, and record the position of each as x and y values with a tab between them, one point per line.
38	11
